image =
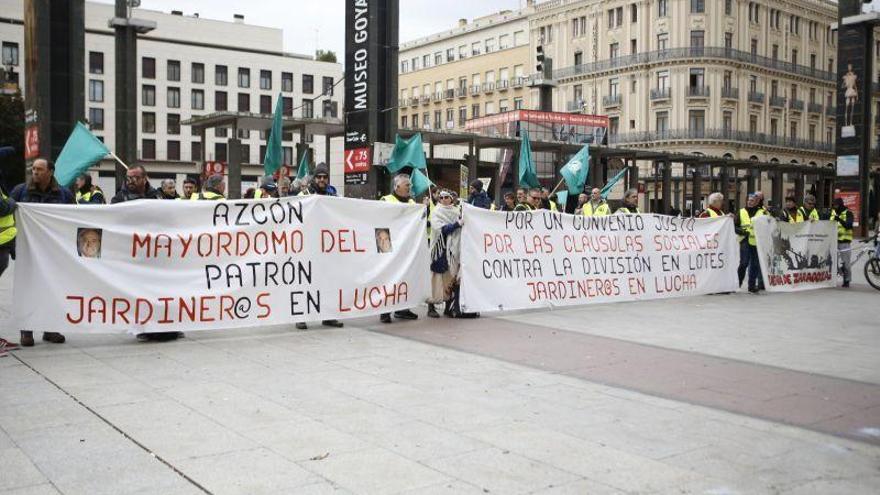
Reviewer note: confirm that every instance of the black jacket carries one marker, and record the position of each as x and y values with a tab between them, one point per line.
125	195
54	194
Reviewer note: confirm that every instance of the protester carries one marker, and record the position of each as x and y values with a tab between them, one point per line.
445	254
137	186
630	202
400	193
844	219
582	201
320	183
41	188
509	202
249	194
168	189
7	247
715	201
267	190
809	210
791	213
547	203
190	186
214	189
477	196
283	187
596	206
522	200
87	193
748	251
304	185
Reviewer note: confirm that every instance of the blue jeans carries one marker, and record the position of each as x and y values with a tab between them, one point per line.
755	279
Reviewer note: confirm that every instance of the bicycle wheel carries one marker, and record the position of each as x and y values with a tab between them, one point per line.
872	272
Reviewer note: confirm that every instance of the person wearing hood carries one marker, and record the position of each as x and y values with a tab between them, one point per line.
268	189
320	183
844	218
41	187
137	186
167	190
748	252
87	193
477	196
445	254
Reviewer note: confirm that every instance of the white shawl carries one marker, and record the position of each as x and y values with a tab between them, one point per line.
442	216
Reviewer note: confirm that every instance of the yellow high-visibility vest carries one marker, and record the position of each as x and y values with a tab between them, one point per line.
207	195
393	199
601	210
814	214
745	222
843	234
7	226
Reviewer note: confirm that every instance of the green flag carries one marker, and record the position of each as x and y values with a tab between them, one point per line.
420	183
561	200
527	174
407	153
614	180
274	155
575	171
303	169
81	151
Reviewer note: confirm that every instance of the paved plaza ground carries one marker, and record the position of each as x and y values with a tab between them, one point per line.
728	394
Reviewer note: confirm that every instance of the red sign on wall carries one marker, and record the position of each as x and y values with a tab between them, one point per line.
357	160
852	200
31	142
215	168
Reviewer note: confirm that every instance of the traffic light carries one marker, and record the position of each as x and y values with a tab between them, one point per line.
540	59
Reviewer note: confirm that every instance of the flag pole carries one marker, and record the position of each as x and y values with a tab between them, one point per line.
118	160
557	186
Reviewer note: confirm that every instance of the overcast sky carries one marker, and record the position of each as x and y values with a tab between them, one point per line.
321	23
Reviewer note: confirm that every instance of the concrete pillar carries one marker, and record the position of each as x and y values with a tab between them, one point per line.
799	187
233	188
667	188
696	192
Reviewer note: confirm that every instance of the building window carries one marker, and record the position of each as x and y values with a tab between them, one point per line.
662	80
244	77
697	78
173	150
148	149
10	53
96	119
697	121
774	127
614	50
698	38
813	60
490	45
172	123
578	58
662	8
415	121
173	98
403	120
308	84
462	116
327	84
265	104
221	132
794	57
793	130
287	81
728	40
287	106
198	99
220	152
221	75
633	13
265	79
287	153
96	62
450	117
475	110
728	7
148	68
308	109
148	95
220	101
662	41
450	53
774	52
329	109
754	47
727	122
812	133
613	125
148	122
613	87
753	125
633	47
518	103
727	81
195	153
244	102
96	90
662	122
438	118
174	70
698	6
426	61
198	73
475	48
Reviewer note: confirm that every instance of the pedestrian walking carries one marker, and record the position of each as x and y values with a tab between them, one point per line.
41	187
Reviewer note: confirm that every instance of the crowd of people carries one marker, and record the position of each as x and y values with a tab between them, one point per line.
444	222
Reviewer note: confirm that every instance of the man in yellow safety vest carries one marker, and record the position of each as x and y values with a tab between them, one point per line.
748	251
809	210
400	193
845	219
791	213
596	206
213	191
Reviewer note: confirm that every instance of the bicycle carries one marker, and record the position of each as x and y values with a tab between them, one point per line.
872	265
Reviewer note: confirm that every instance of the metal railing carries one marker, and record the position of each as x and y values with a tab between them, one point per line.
475	89
777	101
720	135
698	91
831	111
661	93
756	97
611	100
729	93
815	108
488	87
796	105
503	84
574	106
461	92
693	52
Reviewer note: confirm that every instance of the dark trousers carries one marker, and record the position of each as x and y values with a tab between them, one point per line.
4	259
756	281
744	255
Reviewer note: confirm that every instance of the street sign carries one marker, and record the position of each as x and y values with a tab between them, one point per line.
32	142
357	160
215	168
355	179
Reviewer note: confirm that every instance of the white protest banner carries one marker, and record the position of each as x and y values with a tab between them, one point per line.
533	259
151	266
796	256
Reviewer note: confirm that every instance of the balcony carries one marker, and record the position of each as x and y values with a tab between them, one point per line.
796	105
756	97
414	101
439	96
574	106
611	101
450	94
517	82
831	111
698	91
815	108
488	87
475	89
720	135
729	93
425	99
461	92
777	101
671	54
661	94
503	85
